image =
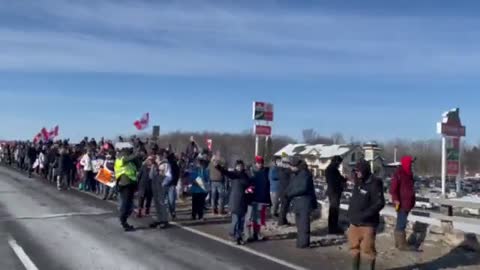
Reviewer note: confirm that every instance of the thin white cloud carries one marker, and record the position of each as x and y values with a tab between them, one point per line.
205	39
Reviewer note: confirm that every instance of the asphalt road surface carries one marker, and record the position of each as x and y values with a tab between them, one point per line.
41	228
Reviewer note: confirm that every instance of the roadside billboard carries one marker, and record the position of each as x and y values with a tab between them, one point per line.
262	111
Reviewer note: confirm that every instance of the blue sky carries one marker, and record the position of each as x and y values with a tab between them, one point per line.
369	69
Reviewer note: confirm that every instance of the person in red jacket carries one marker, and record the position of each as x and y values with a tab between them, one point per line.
402	191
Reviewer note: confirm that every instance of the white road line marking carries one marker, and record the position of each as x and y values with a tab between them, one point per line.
61	215
243	248
27	263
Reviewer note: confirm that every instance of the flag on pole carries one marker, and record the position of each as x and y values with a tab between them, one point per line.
143	122
45	134
53	133
37	138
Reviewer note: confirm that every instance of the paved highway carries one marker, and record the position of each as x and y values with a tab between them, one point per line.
72	230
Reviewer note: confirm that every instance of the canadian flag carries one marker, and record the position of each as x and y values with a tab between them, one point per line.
37	138
45	134
143	122
53	133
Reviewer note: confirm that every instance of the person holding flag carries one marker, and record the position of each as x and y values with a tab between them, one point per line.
200	181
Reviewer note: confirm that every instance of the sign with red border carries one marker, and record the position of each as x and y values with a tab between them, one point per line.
451	124
262	111
261	130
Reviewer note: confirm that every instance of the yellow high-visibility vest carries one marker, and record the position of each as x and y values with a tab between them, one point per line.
127	168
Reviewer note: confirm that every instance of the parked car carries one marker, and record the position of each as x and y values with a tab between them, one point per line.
470	211
468	188
434	193
424	203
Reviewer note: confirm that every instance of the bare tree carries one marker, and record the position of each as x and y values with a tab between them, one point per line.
471	159
242	146
338	138
426	152
310	136
232	146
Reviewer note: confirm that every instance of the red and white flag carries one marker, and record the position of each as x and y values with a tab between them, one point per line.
143	122
45	134
53	133
37	138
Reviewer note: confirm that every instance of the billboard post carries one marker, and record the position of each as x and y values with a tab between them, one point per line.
452	131
262	117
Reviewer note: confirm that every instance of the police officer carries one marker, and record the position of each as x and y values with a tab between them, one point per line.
301	192
126	179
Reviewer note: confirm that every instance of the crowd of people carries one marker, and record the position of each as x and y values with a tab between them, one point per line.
145	172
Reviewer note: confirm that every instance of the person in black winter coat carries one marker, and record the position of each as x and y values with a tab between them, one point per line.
240	196
284	174
261	199
336	183
31	157
65	166
364	213
22	153
50	164
301	192
192	150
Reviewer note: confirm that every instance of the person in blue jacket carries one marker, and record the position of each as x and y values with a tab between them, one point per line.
273	177
200	180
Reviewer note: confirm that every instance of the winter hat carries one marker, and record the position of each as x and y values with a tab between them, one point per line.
239	162
259	159
364	167
337	159
295	161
